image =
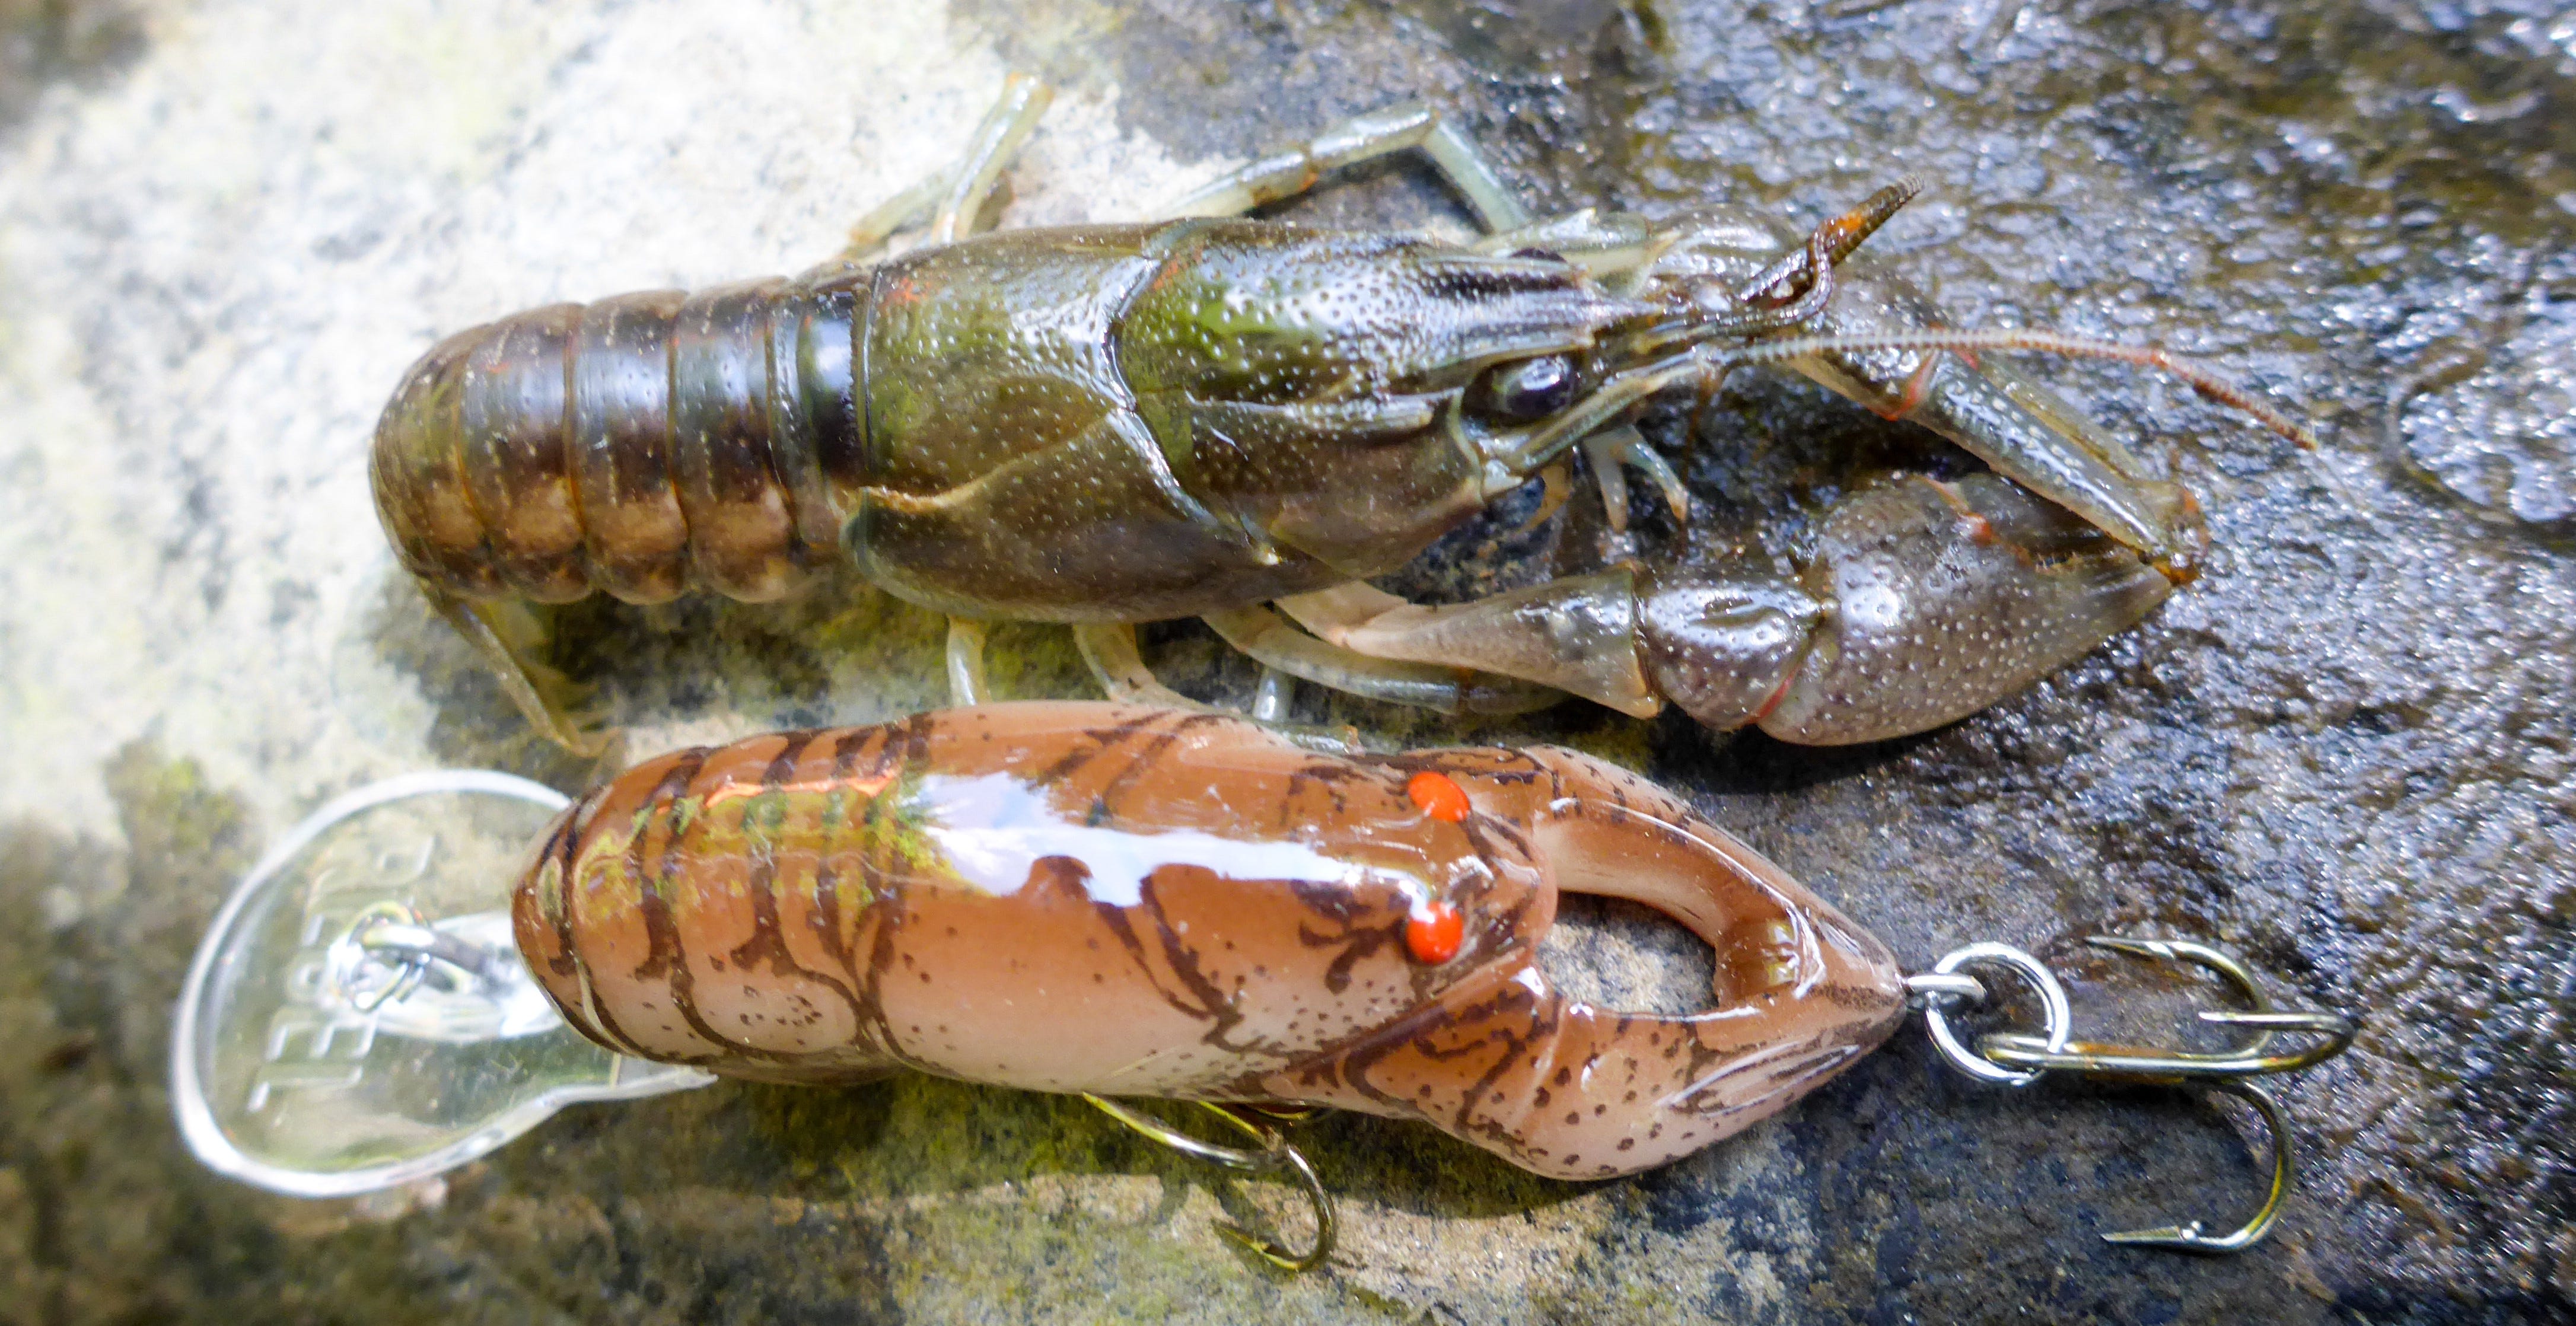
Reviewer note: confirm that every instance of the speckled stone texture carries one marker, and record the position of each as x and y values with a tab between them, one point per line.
227	225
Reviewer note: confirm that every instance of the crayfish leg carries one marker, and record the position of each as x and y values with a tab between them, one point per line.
2005	417
1445	687
506	634
966	682
953	200
997	140
1109	648
1574	634
1612	452
1294	170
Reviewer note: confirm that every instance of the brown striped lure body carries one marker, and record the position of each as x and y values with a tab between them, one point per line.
1132	901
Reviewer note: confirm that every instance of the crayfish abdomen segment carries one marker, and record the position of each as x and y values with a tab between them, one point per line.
643	445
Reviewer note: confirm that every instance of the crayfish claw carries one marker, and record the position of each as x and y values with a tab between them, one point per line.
1945	598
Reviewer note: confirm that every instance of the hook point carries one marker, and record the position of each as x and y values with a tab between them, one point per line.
1261	1124
2188	1238
1277	1253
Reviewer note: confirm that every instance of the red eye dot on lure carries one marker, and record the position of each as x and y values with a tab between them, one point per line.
1434	930
1439	795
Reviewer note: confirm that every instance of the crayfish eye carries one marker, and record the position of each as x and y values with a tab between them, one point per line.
1524	389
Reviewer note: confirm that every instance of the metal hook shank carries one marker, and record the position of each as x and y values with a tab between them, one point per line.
2028	1053
1274	1154
2254	1058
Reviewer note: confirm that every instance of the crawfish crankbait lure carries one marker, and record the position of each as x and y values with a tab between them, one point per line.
1206	414
1145	902
1094	898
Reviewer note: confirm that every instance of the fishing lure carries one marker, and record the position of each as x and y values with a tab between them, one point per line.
1118	901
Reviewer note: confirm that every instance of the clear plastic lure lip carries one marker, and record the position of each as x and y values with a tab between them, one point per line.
358	1016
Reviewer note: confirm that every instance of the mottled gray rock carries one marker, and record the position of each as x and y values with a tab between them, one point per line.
2345	754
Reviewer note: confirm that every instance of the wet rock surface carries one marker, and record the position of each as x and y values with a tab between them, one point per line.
47	41
2344	754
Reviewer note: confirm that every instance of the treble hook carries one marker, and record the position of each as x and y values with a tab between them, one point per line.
1264	1125
2019	1058
2133	1063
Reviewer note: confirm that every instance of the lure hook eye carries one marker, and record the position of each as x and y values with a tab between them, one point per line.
2019	1058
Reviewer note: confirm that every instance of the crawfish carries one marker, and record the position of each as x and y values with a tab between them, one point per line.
1111	424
